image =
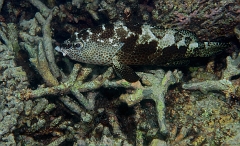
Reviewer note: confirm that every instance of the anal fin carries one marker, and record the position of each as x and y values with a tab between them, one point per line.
124	71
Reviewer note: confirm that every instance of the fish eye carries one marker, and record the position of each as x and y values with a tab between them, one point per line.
78	45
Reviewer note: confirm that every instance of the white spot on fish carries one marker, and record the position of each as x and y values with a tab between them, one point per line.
115	45
167	40
129	34
110	40
89	32
103	27
125	28
102	41
181	43
146	36
76	34
193	45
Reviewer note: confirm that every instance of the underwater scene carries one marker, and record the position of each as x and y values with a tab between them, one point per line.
120	72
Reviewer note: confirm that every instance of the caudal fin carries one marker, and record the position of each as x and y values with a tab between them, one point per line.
211	48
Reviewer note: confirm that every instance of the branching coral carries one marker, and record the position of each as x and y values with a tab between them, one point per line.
9	34
12	79
224	84
156	91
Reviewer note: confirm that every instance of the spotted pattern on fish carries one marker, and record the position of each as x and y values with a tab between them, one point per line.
120	45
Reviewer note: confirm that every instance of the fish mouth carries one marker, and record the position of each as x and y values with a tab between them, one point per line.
61	50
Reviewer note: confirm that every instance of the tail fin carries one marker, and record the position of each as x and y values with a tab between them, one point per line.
213	45
211	48
232	40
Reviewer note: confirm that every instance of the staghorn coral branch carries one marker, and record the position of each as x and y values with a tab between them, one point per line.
72	85
1	3
8	33
29	38
41	64
71	104
206	86
113	121
224	85
157	91
60	89
232	68
42	7
94	84
115	84
47	42
82	99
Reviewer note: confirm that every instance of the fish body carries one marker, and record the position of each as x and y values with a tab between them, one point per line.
121	46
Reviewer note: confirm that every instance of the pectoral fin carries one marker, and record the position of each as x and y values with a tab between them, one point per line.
124	71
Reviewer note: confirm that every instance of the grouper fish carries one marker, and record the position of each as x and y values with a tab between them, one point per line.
121	46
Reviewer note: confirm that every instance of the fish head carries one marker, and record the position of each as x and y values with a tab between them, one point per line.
71	46
89	47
